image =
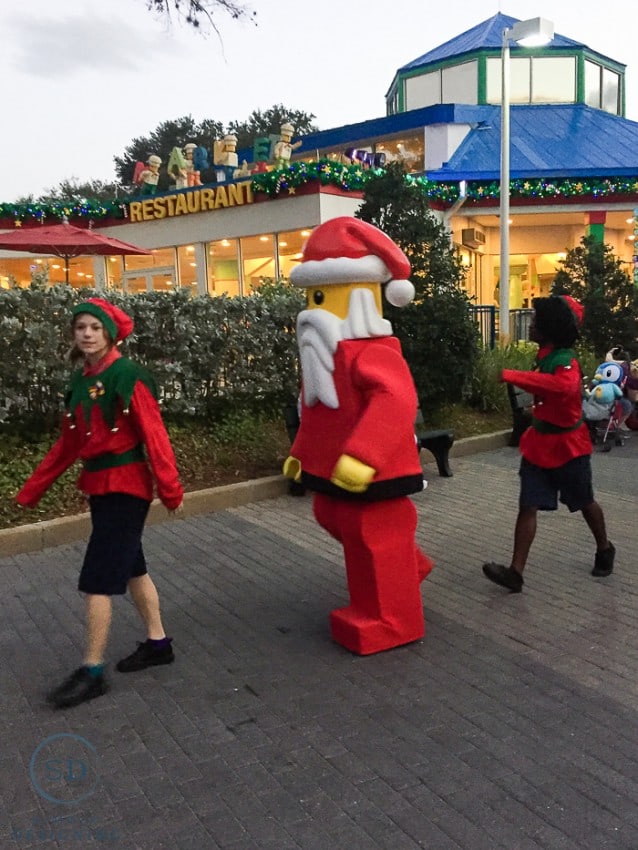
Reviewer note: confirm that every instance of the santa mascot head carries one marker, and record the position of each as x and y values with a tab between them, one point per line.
347	263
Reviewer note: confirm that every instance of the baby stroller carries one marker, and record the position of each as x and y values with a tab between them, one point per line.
604	406
603	422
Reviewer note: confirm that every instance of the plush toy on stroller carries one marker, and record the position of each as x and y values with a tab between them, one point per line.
605	406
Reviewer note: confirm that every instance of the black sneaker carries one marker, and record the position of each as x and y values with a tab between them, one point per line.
147	654
505	576
79	687
604	563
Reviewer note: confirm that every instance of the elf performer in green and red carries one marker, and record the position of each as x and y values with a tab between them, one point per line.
556	448
114	427
355	447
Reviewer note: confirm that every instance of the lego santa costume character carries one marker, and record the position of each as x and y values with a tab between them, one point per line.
114	426
355	447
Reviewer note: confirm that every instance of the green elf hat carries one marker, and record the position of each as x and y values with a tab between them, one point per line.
116	322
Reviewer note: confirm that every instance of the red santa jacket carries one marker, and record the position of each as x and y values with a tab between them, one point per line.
374	423
558	433
114	426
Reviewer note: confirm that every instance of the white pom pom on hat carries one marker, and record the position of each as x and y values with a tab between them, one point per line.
348	250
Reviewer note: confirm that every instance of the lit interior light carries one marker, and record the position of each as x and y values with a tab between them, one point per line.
631	237
629	220
39	262
80	274
190	248
89	276
283	244
194	265
305	233
112	259
55	266
263	239
225	243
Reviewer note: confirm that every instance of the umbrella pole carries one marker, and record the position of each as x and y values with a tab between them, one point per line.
66	269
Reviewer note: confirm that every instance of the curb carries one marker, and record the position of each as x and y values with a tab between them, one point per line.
58	532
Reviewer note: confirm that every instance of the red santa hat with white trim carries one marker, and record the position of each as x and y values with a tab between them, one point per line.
348	250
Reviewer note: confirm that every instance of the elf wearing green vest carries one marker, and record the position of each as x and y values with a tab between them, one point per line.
114	427
556	448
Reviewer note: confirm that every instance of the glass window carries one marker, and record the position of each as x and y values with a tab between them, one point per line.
258	260
187	266
223	267
289	248
610	91
158	257
553	79
592	84
410	149
114	272
493	80
423	90
459	84
520	80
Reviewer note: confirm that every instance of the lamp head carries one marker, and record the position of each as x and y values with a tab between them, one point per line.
531	33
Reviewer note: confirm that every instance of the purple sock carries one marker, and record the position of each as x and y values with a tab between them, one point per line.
161	643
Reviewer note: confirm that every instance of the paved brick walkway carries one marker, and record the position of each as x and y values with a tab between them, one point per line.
513	724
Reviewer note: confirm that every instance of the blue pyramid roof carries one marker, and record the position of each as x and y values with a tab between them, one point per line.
564	140
488	34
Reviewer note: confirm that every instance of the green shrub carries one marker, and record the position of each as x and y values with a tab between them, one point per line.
208	355
485	391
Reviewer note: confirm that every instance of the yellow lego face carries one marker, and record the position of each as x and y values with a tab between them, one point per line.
335	297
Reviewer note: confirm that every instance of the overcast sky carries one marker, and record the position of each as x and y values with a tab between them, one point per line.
82	78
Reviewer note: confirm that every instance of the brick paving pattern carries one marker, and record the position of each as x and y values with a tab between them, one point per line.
513	724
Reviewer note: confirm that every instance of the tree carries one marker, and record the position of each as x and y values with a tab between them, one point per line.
437	333
177	133
198	12
593	275
161	141
269	122
72	190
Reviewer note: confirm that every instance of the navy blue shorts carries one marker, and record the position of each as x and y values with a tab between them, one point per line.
114	554
541	488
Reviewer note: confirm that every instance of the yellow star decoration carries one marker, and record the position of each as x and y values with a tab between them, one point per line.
291	190
636	187
527	185
18	223
579	187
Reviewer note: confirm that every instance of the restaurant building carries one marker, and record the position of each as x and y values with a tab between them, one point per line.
573	166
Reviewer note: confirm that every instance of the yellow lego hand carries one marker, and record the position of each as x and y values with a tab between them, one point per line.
352	475
292	468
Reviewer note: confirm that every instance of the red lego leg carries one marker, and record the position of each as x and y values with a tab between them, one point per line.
383	569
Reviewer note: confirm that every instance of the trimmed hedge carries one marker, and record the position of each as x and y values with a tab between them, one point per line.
208	355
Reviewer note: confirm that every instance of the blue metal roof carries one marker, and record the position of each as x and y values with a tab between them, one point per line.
339	138
565	140
486	35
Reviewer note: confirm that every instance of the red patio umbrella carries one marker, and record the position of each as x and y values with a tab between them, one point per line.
66	241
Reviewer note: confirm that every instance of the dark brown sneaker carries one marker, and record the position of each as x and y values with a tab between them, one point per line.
604	562
146	655
505	576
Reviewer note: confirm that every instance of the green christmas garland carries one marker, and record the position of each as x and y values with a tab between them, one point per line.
349	178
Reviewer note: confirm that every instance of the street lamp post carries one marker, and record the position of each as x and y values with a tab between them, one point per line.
534	32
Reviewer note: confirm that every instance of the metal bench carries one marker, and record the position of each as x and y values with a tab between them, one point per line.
437	442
